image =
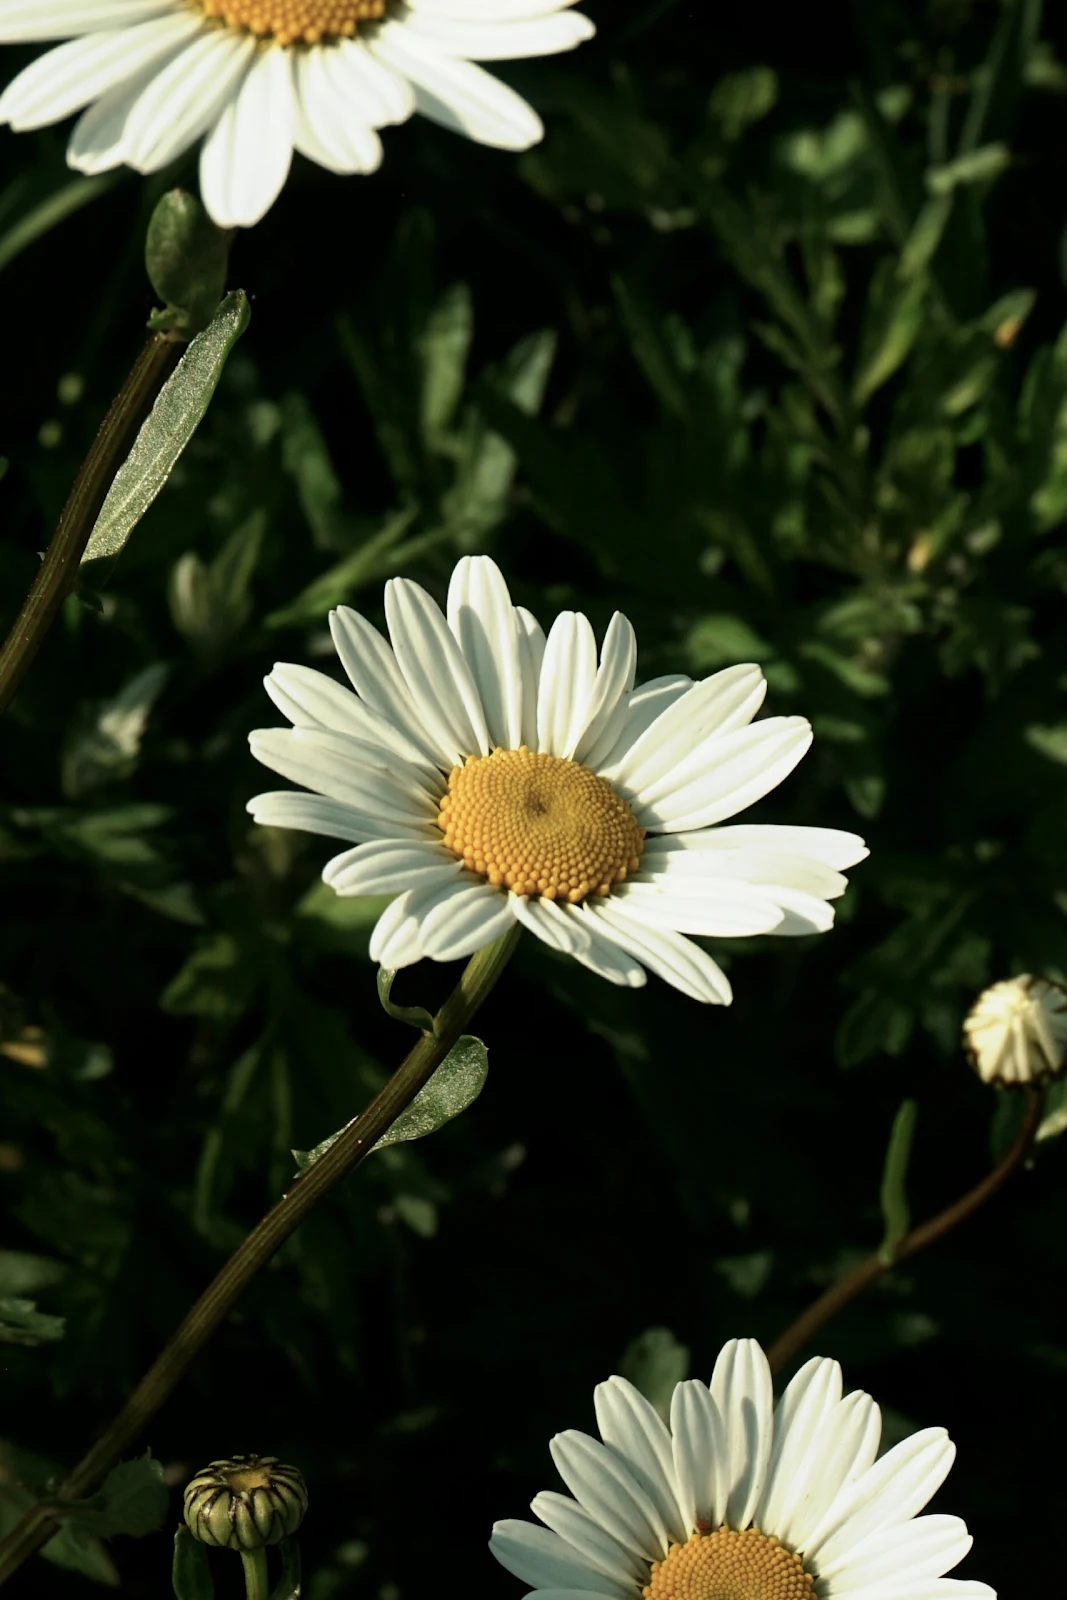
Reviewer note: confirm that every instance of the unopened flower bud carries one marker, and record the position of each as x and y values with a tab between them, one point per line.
245	1503
1016	1031
186	258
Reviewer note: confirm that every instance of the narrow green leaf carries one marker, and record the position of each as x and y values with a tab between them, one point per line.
288	1586
444	346
190	1572
49	212
417	1016
988	161
170	425
456	1084
894	1197
894	316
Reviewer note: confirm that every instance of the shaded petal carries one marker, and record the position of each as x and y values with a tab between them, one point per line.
563	928
605	710
891	1491
742	1390
481	616
830	846
738	769
396	939
531	655
435	672
671	955
805	1407
598	1481
457	94
327	129
584	1534
389	866
631	1426
246	157
718	705
699	1445
513	40
31	21
67	78
567	675
374	93
538	1556
374	674
925	1547
313	813
334	765
312	700
844	1449
647	703
467	917
721	910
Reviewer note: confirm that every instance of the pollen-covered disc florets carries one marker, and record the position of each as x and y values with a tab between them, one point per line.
1016	1031
245	1502
295	21
728	1565
540	825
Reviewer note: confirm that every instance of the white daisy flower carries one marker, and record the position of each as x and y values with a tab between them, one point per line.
260	78
1016	1031
488	775
741	1500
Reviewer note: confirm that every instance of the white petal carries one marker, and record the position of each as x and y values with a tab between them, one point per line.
919	1589
373	92
488	10
395	941
605	711
458	94
482	618
671	955
926	1547
894	1489
504	40
568	672
434	670
737	769
334	765
313	813
807	1403
373	673
467	917
726	701
603	956
184	99
585	1535
829	846
843	1450
97	142
699	1445
633	1428
312	700
538	1556
246	157
67	78
600	1483
720	910
563	928
647	702
389	866
742	1391
531	655
327	129
34	20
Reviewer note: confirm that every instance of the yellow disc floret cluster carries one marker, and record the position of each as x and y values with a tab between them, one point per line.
727	1565
539	825
295	21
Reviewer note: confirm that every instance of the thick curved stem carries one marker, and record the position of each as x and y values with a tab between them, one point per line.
223	1293
869	1270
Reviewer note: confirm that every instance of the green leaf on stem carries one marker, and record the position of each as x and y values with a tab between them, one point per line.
456	1084
288	1586
170	425
133	1500
22	1323
894	1197
190	1572
654	1363
416	1016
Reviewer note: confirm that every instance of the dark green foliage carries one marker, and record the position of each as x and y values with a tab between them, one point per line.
764	346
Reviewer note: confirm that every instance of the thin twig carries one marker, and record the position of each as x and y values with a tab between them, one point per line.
223	1293
871	1268
59	568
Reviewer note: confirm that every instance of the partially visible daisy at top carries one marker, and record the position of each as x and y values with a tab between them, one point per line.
260	78
487	775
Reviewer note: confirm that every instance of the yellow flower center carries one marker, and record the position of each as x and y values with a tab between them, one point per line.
295	21
725	1565
539	825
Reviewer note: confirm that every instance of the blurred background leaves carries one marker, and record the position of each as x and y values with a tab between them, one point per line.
764	346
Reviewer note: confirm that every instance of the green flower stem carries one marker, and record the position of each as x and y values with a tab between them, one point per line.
255	1565
59	568
871	1268
223	1293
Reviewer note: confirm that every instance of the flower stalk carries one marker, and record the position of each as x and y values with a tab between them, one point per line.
59	567
871	1268
256	1581
222	1294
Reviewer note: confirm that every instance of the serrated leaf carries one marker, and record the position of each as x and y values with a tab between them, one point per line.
655	1362
456	1084
175	417
133	1500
